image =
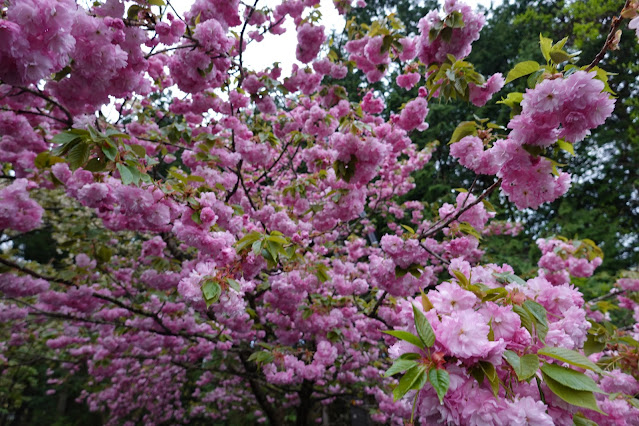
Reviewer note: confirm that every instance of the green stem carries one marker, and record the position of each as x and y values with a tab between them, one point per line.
412	414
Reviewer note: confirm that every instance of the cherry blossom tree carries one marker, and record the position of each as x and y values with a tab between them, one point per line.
219	236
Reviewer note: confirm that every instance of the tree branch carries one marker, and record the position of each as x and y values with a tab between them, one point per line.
69	121
435	255
614	26
435	229
241	47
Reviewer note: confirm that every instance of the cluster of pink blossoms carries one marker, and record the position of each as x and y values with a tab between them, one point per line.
559	108
468	331
107	60
479	95
562	259
17	210
436	50
369	57
309	41
503	228
19	143
36	39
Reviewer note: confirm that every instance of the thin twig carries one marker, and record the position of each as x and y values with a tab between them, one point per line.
168	49
35	274
434	230
614	26
373	313
470	190
69	121
267	171
241	47
24	111
606	296
188	30
432	253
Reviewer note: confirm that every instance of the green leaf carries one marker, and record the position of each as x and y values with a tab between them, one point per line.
409	229
560	44
62	73
211	291
566	146
110	151
410	355
546	45
584	399
440	381
522	69
535	78
78	155
406	336
571	357
125	174
277	239
559	56
570	378
42	160
495	294
135	172
256	247
64	138
387	41
95	165
539	315
322	273
468	229
114	133
477	372
104	254
593	346
465	128
424	329
234	284
400	272
603	76
533	150
247	240
579	420
513	99
412	376
426	303
307	313
133	11
488	206
334	335
461	278
509	278
139	150
195	217
273	249
400	365
525	367
525	317
491	374
261	357
156	2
